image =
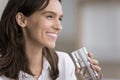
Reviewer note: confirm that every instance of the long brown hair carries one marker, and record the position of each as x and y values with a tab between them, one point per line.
12	53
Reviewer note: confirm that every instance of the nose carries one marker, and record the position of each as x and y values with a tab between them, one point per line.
58	25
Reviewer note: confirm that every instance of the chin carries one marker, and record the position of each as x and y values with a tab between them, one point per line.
51	45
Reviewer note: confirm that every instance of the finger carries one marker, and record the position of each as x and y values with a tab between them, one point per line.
77	70
90	55
96	68
93	61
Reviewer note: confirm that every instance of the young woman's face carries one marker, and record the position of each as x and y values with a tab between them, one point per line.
43	26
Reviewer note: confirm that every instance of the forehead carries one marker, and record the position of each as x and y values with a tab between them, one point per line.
54	6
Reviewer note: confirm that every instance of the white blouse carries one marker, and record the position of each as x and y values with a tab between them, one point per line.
66	70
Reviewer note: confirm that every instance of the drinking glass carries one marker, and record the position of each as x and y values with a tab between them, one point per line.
80	57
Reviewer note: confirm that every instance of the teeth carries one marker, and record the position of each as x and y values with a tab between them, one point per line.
52	34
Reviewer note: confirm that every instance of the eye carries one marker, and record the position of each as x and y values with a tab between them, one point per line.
60	19
49	16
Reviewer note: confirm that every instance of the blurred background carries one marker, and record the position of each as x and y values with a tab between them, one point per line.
96	25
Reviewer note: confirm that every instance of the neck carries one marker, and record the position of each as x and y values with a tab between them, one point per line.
35	58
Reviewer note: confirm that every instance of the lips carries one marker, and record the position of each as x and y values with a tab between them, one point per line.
52	35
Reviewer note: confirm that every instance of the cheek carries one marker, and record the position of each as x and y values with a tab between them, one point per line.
38	30
34	25
39	26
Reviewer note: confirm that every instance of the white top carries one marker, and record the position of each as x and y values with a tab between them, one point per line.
66	70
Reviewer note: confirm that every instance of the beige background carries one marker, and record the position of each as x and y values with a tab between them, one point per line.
96	25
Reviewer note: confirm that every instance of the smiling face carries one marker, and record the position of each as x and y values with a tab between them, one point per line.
43	26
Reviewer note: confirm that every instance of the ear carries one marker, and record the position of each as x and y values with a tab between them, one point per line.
21	19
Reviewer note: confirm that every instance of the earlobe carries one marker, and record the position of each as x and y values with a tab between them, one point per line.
21	19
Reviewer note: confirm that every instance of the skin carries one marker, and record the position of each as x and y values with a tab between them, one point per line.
94	65
40	30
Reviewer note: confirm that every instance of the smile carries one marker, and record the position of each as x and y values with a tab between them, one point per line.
52	35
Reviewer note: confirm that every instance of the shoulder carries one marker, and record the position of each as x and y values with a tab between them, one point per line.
66	66
65	59
5	78
63	56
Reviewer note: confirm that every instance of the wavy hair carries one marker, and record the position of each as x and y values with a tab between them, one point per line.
12	44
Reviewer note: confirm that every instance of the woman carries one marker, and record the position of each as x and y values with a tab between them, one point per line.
28	32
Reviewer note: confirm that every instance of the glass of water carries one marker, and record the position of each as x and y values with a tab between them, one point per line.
80	57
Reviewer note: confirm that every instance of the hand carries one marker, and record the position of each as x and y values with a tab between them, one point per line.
94	65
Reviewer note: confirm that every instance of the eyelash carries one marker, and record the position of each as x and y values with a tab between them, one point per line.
50	16
60	19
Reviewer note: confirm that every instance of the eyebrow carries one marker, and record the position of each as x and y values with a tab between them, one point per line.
51	13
